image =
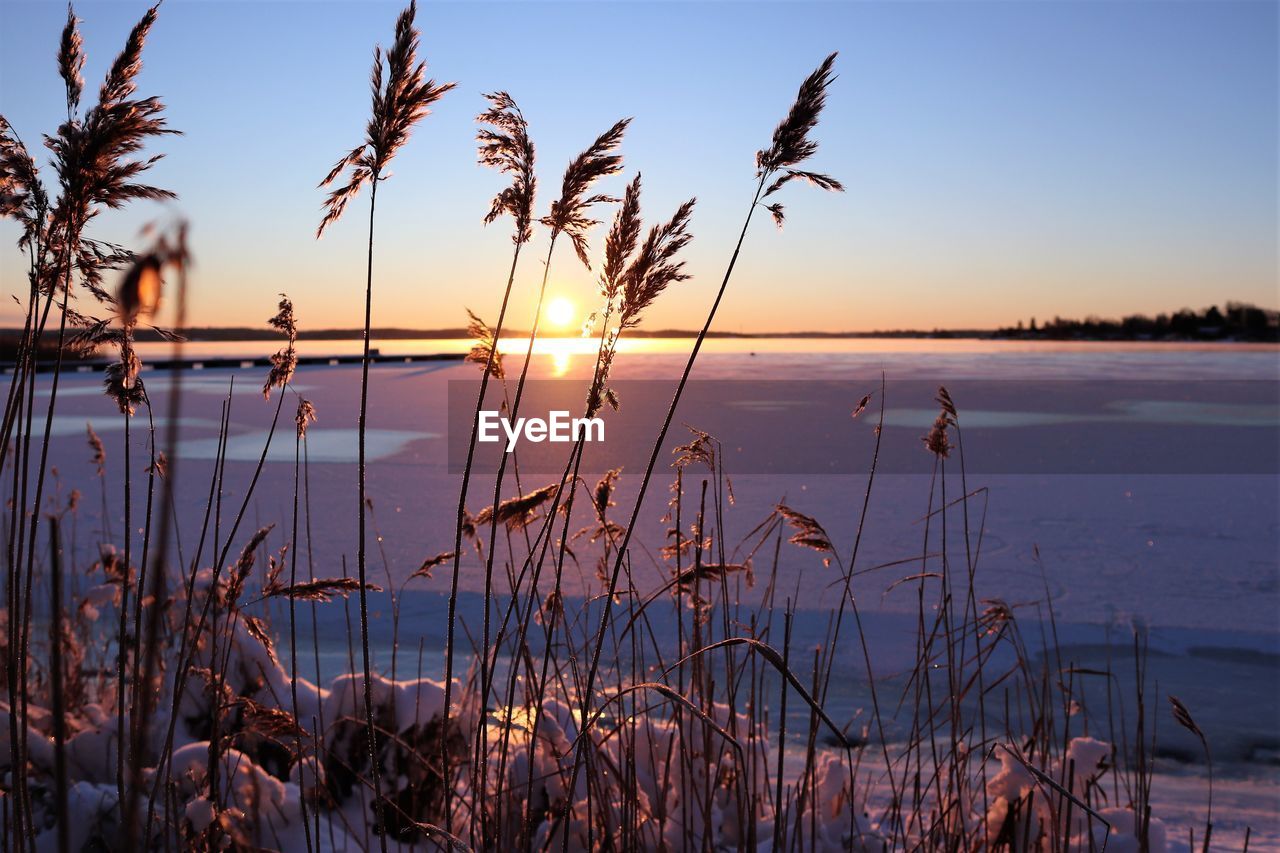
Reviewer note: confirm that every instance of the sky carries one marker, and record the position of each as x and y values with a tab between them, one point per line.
1002	160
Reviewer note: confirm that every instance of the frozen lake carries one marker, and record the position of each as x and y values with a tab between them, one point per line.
1145	477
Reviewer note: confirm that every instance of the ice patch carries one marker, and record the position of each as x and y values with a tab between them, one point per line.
1170	412
109	421
161	383
323	445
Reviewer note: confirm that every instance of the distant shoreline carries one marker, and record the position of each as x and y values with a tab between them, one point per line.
250	334
236	333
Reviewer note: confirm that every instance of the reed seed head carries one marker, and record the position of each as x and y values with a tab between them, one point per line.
305	415
656	266
792	144
71	60
505	146
285	360
484	347
569	213
22	196
96	158
99	458
621	241
401	98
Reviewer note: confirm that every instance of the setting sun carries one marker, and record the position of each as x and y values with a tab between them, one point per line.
560	312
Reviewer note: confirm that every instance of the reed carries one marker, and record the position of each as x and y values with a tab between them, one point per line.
94	158
399	104
791	146
504	144
661	711
570	215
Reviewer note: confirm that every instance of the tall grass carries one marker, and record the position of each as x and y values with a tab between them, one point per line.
504	144
398	105
658	711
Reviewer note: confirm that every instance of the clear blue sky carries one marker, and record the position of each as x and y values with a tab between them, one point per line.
1002	159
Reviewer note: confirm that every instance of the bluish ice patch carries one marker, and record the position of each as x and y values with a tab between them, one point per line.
1198	413
109	421
1170	412
323	445
216	384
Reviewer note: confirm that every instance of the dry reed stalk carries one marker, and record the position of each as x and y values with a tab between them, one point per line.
569	215
504	145
629	286
94	158
398	104
791	145
176	254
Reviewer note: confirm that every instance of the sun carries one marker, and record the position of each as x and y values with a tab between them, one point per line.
560	312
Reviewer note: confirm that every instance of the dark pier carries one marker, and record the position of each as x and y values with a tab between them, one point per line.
223	363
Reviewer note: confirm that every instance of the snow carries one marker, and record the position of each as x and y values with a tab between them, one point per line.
1189	557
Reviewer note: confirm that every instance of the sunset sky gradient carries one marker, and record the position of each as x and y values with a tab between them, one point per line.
1003	160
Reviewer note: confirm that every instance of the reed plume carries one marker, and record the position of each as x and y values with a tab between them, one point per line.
71	60
305	416
506	146
1182	716
484	347
22	196
321	590
569	213
630	284
519	511
808	532
99	451
95	157
399	103
285	360
790	146
123	381
424	570
656	266
621	241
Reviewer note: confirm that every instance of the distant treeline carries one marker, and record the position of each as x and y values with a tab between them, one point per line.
1238	321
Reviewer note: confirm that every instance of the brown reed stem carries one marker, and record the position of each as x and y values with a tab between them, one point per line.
606	610
457	538
486	671
360	545
59	708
